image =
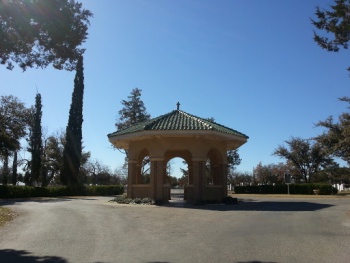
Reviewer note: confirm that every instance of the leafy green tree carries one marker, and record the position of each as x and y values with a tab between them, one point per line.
336	138
263	174
333	174
239	178
42	32
173	181
133	111
5	170
35	142
13	127
121	176
13	123
72	152
97	173
233	159
183	180
184	171
271	173
306	157
14	168
53	158
335	22
338	175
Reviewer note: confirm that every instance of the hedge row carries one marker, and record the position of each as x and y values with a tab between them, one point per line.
302	189
9	191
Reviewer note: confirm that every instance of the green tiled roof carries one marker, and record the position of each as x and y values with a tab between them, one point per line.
177	120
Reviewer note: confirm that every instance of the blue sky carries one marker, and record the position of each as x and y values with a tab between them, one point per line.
251	65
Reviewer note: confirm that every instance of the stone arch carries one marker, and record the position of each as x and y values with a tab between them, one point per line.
136	186
184	154
187	156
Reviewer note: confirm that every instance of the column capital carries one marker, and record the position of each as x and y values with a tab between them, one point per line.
156	159
199	160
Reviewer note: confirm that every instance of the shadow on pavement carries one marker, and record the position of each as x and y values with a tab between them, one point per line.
44	199
22	256
251	205
83	198
4	202
281	206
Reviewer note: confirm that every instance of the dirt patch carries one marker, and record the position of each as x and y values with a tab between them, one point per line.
6	215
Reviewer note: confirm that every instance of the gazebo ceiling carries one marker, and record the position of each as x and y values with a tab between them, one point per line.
179	124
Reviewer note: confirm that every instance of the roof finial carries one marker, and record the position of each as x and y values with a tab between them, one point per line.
178	105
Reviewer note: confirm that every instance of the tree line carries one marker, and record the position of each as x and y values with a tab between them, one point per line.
312	159
37	34
45	164
55	159
307	160
31	39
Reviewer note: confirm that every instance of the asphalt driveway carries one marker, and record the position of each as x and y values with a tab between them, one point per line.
259	229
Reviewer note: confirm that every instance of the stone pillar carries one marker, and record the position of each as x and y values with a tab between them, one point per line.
216	174
132	172
198	178
224	179
157	178
190	174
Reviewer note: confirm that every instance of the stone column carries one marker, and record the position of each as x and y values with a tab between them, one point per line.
157	178
132	171
190	173
198	178
216	174
224	179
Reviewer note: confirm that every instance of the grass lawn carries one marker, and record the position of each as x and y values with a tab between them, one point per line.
6	215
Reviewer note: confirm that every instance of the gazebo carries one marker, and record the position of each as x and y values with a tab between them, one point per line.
203	144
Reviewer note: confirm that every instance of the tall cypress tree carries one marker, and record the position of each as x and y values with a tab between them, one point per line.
73	147
36	147
14	168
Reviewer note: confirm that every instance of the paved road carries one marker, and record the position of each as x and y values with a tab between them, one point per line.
257	230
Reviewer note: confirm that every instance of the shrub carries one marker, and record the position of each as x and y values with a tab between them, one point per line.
10	191
125	200
147	200
137	201
304	189
120	200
